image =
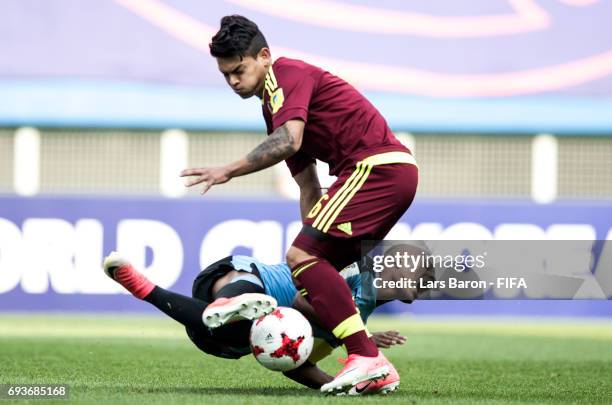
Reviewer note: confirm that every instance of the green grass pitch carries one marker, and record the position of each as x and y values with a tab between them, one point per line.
122	359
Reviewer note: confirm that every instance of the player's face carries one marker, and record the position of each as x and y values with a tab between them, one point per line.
246	76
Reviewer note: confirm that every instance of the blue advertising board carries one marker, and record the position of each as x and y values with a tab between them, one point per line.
51	248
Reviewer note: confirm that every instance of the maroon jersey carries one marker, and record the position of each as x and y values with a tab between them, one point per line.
342	126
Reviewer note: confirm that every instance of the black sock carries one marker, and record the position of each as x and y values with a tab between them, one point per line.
183	309
188	311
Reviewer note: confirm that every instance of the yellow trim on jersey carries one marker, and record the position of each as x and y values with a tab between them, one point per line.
276	98
389	158
332	209
349	326
300	269
272	78
339	194
347	192
303	292
268	86
348	198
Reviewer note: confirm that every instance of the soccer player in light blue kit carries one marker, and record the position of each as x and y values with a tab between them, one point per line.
235	278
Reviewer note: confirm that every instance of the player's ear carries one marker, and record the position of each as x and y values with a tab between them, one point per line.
265	56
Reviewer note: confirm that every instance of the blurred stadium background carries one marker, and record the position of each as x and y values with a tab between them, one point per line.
507	106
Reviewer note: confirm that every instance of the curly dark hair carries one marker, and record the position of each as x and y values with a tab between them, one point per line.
238	36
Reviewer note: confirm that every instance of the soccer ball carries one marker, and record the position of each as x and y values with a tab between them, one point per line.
281	340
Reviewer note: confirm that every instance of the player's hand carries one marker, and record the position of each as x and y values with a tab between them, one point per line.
388	339
208	175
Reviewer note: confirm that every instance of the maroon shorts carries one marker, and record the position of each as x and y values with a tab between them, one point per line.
363	204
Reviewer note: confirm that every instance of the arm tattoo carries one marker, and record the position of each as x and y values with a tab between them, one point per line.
278	146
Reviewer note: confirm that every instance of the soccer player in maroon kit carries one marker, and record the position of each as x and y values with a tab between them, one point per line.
311	114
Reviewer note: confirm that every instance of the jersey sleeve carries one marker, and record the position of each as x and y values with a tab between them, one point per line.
298	162
289	93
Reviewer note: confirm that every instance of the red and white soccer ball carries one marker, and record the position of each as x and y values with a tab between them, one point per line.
281	340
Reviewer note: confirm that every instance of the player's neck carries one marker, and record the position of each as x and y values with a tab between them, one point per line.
261	88
260	91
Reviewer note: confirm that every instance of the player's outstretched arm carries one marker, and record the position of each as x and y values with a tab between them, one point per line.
310	375
279	145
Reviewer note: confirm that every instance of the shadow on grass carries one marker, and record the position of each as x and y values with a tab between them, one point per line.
278	391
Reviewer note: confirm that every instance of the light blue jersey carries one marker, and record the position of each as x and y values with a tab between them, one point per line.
276	278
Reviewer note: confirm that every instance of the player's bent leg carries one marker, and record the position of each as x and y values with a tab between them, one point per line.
242	307
331	298
183	309
296	256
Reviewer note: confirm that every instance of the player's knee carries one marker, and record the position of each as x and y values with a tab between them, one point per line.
296	256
